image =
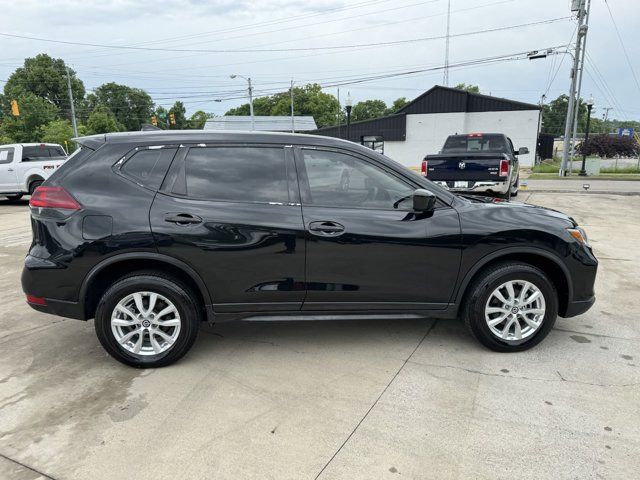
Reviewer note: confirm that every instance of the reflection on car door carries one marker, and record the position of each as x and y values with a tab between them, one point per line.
233	214
362	252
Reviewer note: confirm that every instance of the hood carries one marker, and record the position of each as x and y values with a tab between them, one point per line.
526	208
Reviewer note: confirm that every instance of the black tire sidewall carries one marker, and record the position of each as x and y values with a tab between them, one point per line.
33	185
178	294
480	294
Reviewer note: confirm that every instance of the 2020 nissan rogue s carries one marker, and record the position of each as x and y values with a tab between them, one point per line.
151	233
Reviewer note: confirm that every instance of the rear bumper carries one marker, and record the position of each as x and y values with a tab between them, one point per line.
478	187
578	308
61	308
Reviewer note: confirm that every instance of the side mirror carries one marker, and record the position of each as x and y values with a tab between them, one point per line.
523	151
423	200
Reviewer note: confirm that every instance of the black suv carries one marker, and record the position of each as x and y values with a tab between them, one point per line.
151	233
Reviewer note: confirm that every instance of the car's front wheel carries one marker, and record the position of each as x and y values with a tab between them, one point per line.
147	320
511	307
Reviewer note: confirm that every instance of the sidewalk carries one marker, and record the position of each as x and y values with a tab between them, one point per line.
616	187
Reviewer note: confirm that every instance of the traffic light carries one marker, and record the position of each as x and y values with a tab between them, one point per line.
15	111
154	121
172	119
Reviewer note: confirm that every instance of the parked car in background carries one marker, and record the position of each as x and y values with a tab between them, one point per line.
483	163
151	233
24	166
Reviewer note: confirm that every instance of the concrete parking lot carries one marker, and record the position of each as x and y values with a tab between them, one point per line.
403	399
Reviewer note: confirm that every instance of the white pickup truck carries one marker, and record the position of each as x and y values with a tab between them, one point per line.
24	166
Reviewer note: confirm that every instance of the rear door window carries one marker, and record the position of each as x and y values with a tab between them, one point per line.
234	174
149	166
6	155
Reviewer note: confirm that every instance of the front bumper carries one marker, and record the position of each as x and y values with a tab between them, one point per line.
475	187
579	307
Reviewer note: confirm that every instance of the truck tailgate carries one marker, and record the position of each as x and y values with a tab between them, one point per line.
465	166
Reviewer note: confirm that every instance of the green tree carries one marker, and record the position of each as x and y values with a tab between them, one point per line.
102	120
58	131
368	109
398	103
554	116
180	114
131	106
45	77
198	119
307	100
35	111
469	88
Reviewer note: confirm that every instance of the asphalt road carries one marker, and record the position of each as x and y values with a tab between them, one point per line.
333	400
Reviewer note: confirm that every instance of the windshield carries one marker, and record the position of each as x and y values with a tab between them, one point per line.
475	143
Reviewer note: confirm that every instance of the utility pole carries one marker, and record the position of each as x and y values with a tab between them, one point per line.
293	124
73	108
253	120
605	116
580	7
445	80
577	109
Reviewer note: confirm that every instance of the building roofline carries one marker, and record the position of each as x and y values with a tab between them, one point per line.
477	95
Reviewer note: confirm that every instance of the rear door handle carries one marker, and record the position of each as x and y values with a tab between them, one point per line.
326	229
182	218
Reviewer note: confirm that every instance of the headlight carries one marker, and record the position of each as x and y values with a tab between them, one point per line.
579	234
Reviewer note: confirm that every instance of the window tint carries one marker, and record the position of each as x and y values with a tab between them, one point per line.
35	154
6	155
340	180
474	143
56	152
242	174
149	166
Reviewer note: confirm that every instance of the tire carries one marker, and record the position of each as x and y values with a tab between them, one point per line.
170	292
516	187
33	185
15	197
480	297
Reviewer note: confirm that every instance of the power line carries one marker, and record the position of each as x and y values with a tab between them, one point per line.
300	49
624	49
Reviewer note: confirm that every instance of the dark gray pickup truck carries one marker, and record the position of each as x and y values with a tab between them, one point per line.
483	163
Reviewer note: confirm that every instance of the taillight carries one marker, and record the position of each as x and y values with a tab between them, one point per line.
33	300
423	169
504	168
53	197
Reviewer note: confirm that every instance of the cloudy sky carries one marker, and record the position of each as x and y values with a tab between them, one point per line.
328	42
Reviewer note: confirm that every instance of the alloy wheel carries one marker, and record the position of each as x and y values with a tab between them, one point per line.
145	323
515	310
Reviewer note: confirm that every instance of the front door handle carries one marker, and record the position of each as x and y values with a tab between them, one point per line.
182	218
326	229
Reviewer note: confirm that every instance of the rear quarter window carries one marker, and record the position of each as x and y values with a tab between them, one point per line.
149	166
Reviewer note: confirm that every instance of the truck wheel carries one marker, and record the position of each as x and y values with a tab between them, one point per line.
33	185
14	198
147	319
516	186
511	307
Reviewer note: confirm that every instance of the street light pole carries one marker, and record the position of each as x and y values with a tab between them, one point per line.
583	171
349	105
248	79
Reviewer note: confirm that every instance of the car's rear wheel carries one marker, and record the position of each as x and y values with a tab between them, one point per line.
511	307
33	185
147	320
